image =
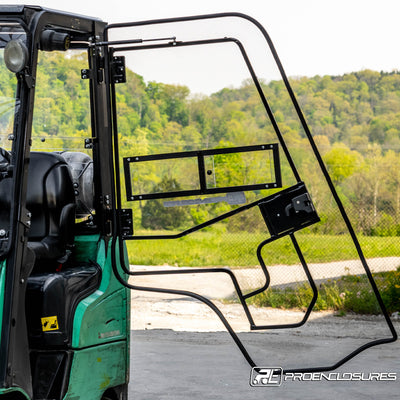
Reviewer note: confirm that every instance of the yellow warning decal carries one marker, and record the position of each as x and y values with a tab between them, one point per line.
49	323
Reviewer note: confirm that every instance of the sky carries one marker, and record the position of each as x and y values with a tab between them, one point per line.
312	37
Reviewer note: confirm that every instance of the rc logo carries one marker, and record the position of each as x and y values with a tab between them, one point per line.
263	376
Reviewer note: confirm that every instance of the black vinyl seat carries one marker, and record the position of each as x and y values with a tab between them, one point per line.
55	286
54	290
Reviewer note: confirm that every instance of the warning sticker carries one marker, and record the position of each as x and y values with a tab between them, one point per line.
49	324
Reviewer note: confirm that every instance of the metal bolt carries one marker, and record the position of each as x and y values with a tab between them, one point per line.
22	280
2	232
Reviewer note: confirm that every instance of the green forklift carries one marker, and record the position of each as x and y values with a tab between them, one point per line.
66	214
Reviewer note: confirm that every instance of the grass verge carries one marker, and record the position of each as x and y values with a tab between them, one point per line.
350	293
217	248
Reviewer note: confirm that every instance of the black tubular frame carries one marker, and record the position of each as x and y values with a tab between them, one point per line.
117	242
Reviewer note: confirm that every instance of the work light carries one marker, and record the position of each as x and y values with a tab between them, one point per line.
15	55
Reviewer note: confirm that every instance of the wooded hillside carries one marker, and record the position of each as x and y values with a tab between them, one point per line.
355	119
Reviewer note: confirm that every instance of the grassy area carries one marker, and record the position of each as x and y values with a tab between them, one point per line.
351	293
217	248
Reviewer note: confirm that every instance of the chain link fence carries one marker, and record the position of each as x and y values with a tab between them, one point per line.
327	247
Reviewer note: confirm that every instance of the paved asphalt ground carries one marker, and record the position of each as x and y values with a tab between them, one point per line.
179	350
169	365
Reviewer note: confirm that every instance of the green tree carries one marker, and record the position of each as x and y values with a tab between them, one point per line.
342	162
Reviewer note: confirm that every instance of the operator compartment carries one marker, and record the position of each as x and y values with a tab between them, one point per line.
58	190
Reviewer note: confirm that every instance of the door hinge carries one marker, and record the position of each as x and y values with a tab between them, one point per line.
86	73
89	142
118	70
126	222
25	218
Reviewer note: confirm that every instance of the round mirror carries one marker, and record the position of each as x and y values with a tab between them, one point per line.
15	55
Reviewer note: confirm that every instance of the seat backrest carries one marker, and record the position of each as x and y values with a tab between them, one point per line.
50	199
51	202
